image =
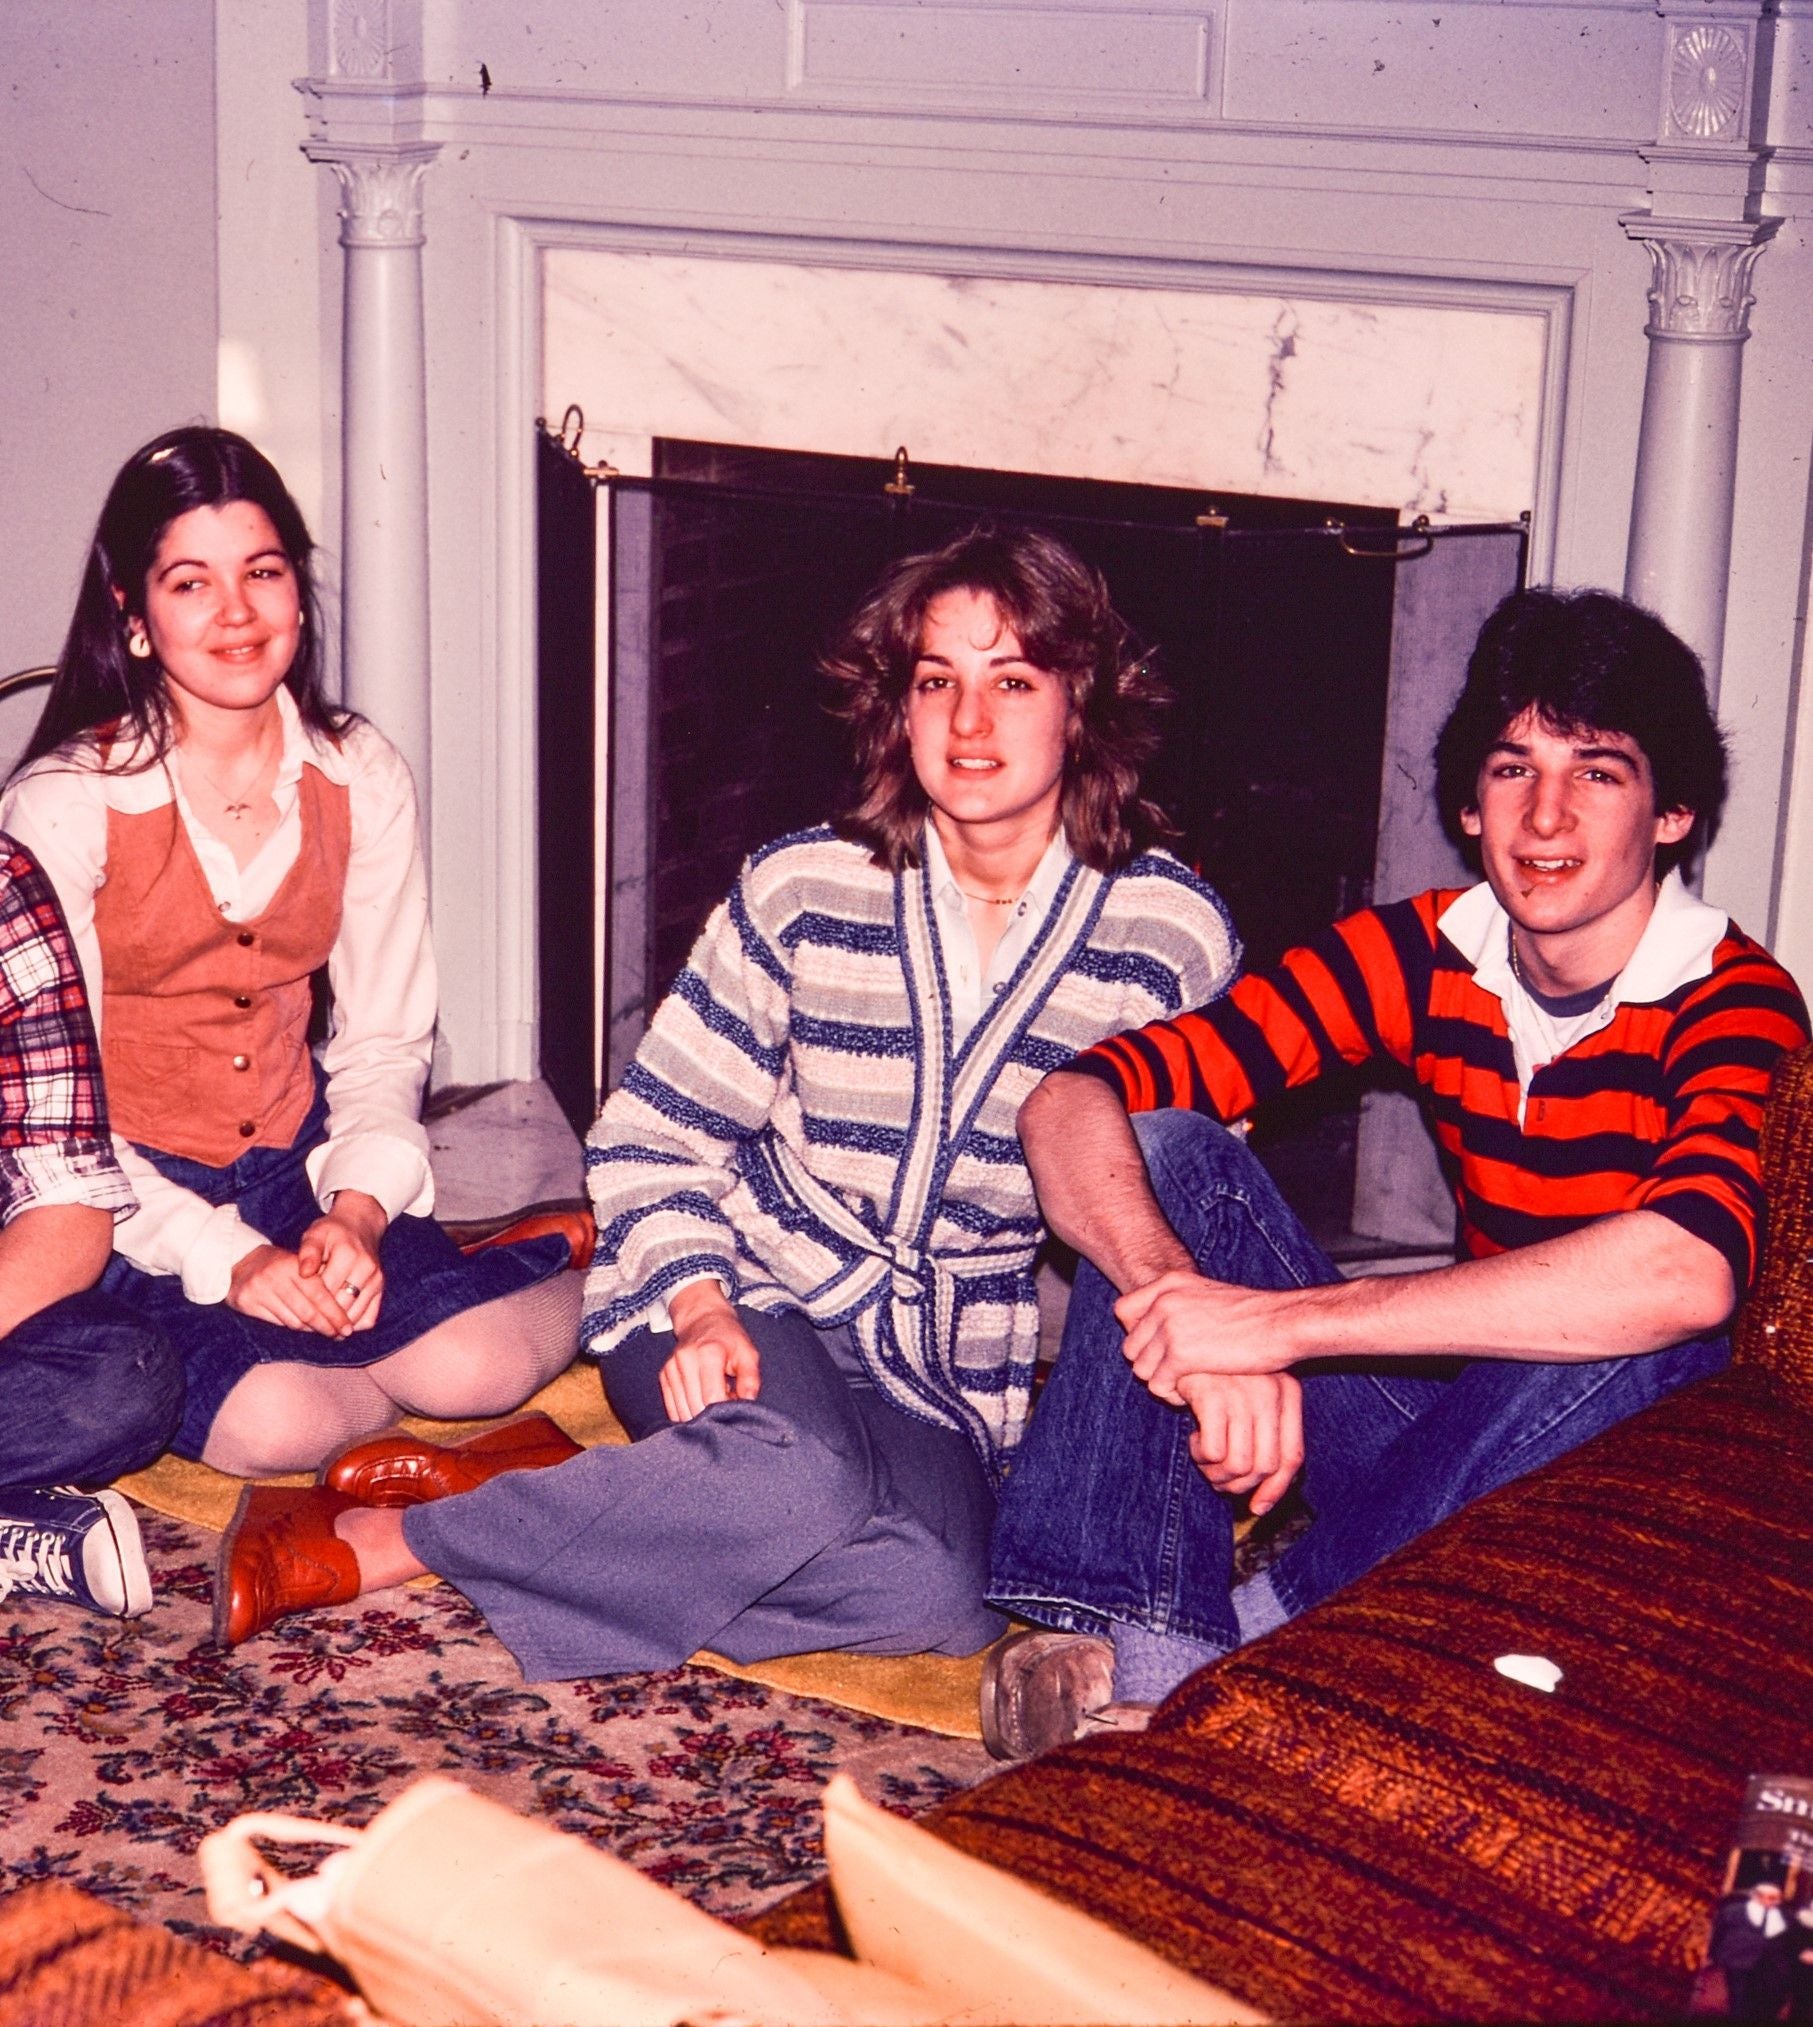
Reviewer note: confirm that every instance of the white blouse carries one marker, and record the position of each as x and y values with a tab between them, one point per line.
972	984
381	969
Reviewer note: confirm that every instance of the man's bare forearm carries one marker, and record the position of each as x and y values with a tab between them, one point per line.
1627	1284
1092	1183
1633	1282
48	1252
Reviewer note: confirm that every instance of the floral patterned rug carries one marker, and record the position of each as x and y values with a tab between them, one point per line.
125	1744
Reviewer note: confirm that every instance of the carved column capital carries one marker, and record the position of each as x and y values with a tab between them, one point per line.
380	189
1700	275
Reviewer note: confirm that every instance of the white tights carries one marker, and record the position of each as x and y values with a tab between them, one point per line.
486	1361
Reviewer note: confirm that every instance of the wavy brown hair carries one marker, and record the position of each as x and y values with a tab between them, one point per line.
1067	626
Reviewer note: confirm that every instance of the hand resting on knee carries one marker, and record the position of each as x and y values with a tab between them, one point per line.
714	1359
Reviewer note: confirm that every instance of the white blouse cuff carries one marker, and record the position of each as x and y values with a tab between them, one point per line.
381	1165
218	1248
659	1319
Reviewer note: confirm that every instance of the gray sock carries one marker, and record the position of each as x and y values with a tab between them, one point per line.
1148	1666
1258	1610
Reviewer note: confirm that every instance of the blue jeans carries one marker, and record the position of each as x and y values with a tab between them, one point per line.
1104	1519
90	1391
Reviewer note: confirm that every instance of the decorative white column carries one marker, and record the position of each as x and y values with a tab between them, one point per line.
1680	526
384	435
1702	246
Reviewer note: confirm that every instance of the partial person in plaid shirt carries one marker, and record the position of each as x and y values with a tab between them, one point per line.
90	1390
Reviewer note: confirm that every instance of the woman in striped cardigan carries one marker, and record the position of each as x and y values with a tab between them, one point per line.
813	1293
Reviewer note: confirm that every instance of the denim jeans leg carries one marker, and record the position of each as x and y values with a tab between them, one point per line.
1103	1518
91	1391
1389	1455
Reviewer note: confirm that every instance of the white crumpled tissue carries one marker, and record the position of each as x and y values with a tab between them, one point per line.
1536	1670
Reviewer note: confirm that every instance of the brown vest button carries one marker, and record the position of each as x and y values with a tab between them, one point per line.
242	1062
247	1127
242	999
246	938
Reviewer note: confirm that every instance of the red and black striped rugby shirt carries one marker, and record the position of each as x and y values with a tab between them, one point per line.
1658	1110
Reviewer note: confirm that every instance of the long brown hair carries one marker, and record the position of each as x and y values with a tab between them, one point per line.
1060	609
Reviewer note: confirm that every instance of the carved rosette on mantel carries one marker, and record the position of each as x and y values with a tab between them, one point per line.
1703	242
384	426
1708	75
361	39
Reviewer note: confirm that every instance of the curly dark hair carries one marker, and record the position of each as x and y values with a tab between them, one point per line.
98	683
1588	661
1060	609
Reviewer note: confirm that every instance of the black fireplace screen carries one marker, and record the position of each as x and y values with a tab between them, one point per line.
1285	631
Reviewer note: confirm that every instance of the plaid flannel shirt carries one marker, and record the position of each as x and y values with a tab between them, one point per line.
55	1147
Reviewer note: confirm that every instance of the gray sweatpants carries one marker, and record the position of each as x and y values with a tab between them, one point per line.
816	1516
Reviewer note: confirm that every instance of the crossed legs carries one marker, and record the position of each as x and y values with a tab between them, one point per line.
1107	1527
817	1515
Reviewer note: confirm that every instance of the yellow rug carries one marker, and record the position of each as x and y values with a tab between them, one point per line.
931	1690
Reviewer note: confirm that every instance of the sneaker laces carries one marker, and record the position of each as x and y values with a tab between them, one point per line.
35	1559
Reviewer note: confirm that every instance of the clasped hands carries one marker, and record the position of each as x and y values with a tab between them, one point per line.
1182	1332
1221	1352
331	1284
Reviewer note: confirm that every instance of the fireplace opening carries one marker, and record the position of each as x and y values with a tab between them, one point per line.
1276	625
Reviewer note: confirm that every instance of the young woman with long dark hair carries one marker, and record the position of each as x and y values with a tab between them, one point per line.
218	834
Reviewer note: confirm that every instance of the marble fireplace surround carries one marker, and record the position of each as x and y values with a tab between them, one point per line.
1433	407
1432	403
1415	287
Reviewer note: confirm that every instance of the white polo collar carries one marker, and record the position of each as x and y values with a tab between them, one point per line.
1675	948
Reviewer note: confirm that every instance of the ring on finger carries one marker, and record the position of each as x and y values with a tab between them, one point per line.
351	1288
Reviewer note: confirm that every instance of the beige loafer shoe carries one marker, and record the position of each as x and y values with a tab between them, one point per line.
1038	1688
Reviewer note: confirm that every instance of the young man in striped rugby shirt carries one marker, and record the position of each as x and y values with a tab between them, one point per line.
1593	1046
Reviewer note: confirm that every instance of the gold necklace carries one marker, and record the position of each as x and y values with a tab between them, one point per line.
992	900
236	810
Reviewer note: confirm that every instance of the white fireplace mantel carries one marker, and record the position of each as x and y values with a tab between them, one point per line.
1351	253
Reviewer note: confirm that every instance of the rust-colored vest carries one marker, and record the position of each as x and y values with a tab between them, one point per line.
204	1022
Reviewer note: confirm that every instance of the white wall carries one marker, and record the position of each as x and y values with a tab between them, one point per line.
279	288
107	307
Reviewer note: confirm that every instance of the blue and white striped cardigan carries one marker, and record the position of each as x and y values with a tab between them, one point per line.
797	1120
